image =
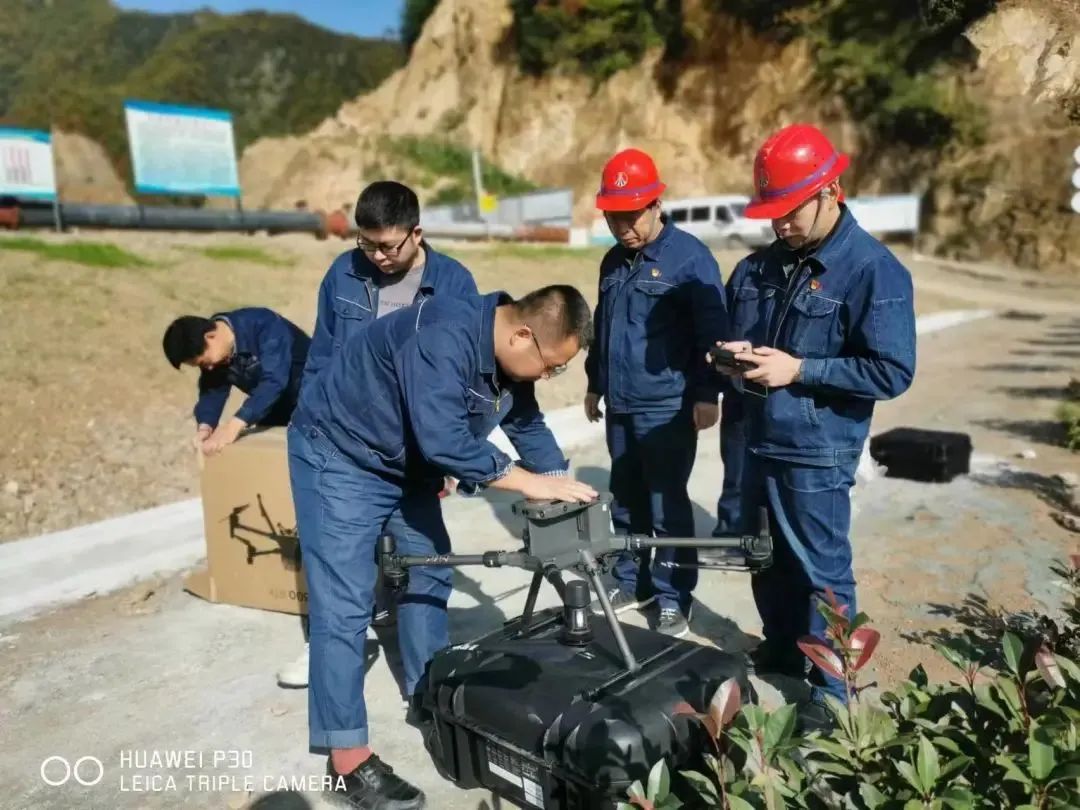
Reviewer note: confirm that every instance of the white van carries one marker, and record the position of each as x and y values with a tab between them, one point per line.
719	221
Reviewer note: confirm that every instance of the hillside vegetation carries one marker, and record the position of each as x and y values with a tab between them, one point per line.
71	63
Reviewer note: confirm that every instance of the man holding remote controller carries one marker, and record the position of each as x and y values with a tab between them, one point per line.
823	325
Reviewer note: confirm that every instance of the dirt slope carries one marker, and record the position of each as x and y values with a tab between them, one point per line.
702	123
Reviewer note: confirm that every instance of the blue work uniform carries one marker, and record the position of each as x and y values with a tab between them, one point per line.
407	400
349	298
266	364
659	311
847	309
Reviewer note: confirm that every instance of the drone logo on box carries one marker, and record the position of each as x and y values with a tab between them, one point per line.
1076	180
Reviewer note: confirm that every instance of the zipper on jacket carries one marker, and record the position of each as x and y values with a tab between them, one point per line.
789	296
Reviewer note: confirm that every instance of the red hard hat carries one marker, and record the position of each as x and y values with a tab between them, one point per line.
629	182
791	167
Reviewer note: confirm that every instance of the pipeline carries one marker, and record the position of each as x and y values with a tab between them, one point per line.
152	218
320	224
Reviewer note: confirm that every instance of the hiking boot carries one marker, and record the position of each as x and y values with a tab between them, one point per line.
621	602
673	623
372	786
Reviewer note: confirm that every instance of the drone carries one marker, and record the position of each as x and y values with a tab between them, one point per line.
580	537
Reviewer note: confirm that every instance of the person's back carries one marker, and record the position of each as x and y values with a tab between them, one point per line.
252	348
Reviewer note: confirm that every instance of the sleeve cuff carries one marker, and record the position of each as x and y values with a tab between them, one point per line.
812	371
470	488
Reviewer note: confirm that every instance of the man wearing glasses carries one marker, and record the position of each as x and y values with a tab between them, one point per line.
660	301
412	398
391	268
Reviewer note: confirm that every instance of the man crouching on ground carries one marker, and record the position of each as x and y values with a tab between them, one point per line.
409	399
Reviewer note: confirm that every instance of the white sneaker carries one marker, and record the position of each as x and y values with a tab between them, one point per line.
295	675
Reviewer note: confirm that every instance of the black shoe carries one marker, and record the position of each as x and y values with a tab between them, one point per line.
811	716
372	786
770	658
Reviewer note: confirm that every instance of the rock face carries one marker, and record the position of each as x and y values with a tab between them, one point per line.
462	83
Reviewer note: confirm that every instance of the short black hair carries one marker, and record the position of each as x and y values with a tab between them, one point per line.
387	204
558	312
185	338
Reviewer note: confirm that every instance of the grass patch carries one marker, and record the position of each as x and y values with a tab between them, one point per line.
92	254
228	253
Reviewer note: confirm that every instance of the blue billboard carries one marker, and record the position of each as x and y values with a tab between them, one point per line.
181	150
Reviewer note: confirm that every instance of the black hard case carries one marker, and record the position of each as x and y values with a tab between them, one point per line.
551	726
922	455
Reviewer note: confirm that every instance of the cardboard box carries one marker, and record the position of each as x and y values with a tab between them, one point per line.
252	548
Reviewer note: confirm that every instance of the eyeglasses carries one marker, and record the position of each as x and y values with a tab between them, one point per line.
386	250
549	370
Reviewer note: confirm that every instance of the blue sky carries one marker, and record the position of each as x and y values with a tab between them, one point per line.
361	17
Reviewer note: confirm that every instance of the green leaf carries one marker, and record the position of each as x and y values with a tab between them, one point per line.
832	749
1013	648
914	804
834	767
636	790
907	770
1040	754
929	764
779	726
1013	772
735	803
871	795
659	781
955	765
958	798
985	695
1010	694
705	786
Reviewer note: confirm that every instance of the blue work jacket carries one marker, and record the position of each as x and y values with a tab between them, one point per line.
267	364
349	298
847	309
416	394
659	311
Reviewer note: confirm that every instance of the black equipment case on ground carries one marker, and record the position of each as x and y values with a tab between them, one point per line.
922	455
549	725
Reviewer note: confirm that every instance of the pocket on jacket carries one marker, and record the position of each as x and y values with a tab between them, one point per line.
815	322
653	304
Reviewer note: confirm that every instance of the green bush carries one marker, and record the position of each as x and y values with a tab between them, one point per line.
434	160
595	37
995	739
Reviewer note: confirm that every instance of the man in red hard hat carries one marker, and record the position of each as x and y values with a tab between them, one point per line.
825	317
661	306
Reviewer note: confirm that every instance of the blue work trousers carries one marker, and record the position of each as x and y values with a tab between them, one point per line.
809	510
341	511
652	455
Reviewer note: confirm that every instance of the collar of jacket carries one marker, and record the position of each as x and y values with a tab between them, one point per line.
239	346
485	350
831	251
364	268
653	249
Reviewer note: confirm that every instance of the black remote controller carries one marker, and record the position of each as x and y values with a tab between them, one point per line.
724	360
